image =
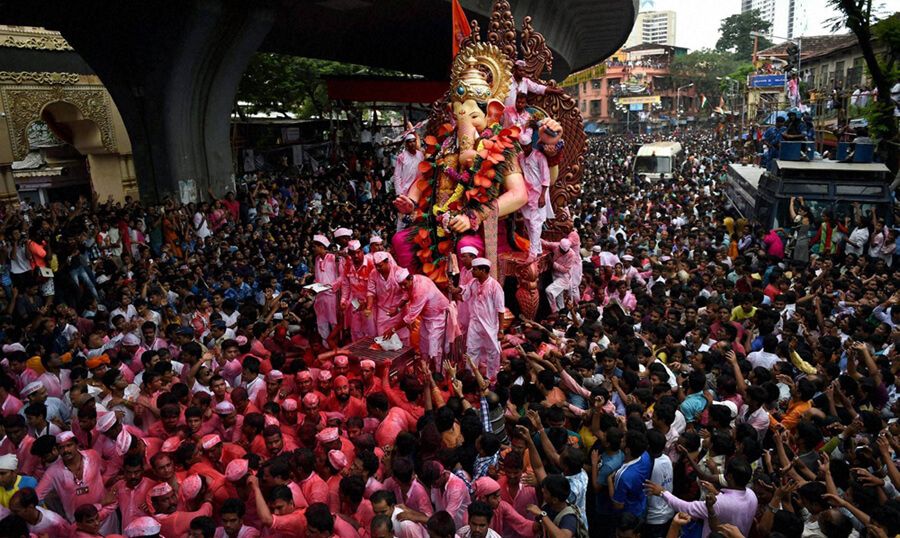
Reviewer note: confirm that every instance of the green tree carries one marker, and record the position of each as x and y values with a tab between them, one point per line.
283	84
858	16
735	34
704	68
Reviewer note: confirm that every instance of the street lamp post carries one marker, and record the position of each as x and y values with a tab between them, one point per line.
678	99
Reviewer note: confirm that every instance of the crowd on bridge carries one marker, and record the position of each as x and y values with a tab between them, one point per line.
167	370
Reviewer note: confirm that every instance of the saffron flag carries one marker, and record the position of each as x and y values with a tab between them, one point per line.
703	100
461	28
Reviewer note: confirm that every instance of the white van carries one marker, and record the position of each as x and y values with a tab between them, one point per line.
658	160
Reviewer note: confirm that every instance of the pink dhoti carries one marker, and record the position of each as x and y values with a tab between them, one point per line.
360	325
325	307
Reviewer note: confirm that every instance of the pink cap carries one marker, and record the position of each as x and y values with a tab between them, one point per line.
324	375
236	470
123	442
328	435
337	459
161	489
367	363
334	415
171	444
106	421
342	360
224	408
341	380
304	376
209	441
191	486
485	486
241	340
64	437
289	404
275	375
271	421
310	400
142	526
380	257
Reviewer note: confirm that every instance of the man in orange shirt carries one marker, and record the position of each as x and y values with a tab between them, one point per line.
801	395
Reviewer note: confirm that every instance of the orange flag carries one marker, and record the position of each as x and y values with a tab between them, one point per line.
461	27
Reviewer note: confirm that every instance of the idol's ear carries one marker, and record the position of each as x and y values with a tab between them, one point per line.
494	111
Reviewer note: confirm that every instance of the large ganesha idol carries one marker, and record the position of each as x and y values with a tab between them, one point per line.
470	181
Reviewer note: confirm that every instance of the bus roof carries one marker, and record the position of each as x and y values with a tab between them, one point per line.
662	149
825	165
749	173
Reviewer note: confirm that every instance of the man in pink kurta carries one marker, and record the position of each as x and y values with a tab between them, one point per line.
415	496
73	490
384	296
448	491
564	261
326	273
466	255
18	442
431	307
354	290
537	182
406	169
131	491
483	298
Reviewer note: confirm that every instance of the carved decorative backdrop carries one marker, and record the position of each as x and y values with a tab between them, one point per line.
25	103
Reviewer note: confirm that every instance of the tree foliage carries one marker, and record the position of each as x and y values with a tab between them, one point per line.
735	34
283	84
702	67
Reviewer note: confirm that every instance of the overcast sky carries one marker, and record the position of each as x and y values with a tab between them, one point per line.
697	21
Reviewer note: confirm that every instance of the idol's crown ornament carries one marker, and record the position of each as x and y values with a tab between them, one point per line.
480	72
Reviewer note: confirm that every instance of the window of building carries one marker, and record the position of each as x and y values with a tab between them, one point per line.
595	107
839	73
596	83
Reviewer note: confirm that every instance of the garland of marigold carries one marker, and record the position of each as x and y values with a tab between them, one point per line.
477	188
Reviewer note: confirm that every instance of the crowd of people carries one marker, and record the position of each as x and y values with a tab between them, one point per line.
167	371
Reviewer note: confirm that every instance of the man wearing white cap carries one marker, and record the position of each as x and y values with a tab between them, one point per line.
326	273
10	479
519	83
428	304
384	297
342	237
484	299
537	182
466	255
564	261
355	275
406	168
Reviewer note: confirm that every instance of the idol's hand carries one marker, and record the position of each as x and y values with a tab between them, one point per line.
404	204
460	224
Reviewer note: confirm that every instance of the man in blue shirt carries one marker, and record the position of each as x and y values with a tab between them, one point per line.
695	402
627	484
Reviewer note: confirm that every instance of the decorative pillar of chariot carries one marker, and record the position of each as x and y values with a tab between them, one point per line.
470	188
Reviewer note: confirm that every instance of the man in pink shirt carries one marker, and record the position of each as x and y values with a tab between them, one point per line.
564	261
18	442
406	169
327	274
392	420
41	521
484	300
76	477
357	268
537	182
431	307
384	297
131	491
408	490
466	255
449	491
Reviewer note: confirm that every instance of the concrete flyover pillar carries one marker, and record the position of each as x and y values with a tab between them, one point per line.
173	71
